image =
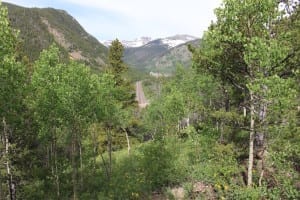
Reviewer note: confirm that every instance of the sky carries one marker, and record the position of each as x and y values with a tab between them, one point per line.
131	19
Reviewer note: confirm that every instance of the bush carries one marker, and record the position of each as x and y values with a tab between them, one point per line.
149	167
157	164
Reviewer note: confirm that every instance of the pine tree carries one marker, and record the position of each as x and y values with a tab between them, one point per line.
116	64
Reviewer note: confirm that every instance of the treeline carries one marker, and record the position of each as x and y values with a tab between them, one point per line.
226	129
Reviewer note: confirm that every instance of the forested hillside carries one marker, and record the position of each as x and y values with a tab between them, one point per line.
39	28
226	127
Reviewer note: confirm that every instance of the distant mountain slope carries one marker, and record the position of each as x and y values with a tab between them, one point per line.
141	56
161	54
167	62
39	28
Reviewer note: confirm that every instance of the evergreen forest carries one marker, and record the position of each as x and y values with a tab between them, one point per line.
226	127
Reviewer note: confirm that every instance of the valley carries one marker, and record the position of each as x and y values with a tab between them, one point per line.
49	25
176	117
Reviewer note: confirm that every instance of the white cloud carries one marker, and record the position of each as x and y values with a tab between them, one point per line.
155	9
160	17
127	19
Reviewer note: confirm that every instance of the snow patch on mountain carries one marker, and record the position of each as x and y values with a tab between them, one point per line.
137	42
130	44
177	40
171	42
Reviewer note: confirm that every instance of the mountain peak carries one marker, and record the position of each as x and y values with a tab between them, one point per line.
183	37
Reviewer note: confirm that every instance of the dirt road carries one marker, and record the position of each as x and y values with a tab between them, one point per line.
140	96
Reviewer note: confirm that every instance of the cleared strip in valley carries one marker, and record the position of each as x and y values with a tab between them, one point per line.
140	96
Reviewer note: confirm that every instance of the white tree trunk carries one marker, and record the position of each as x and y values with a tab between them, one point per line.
81	165
74	167
251	139
128	142
10	183
261	146
109	150
56	172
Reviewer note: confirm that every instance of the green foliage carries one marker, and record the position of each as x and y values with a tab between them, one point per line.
118	69
67	100
236	58
180	97
157	164
17	130
8	36
71	92
241	49
13	86
62	118
214	163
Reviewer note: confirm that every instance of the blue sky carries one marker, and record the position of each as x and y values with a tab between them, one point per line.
130	19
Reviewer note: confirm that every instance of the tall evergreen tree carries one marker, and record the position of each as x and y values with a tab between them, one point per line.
115	60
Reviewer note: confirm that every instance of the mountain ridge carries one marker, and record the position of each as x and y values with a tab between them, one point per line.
171	41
